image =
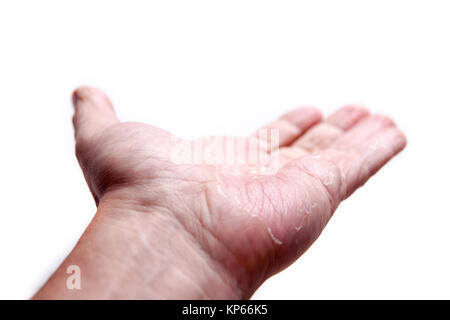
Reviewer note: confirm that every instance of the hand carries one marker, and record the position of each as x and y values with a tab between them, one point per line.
209	229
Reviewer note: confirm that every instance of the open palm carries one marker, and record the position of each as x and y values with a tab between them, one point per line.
250	222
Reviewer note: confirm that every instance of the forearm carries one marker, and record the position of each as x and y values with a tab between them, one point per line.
126	254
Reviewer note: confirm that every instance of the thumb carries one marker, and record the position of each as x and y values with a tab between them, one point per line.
93	112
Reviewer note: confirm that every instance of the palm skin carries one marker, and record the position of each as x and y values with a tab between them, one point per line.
250	225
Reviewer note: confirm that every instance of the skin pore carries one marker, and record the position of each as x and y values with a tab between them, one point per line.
204	230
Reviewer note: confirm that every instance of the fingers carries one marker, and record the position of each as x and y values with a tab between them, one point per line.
294	123
328	131
347	116
364	149
93	112
352	159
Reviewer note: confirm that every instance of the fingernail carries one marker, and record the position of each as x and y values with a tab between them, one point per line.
75	98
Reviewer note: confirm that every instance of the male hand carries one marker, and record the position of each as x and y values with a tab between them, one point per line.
210	229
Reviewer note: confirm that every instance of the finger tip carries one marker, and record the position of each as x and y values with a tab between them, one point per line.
403	141
75	97
90	95
356	108
80	93
397	139
81	90
309	112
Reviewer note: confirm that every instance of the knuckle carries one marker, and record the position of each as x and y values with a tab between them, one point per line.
82	145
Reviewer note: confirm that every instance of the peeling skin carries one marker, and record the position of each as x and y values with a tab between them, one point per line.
329	180
307	204
308	209
298	228
224	190
219	189
275	239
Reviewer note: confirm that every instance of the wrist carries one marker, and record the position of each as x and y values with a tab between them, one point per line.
166	260
136	253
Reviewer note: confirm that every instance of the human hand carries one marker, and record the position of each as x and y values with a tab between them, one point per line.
209	229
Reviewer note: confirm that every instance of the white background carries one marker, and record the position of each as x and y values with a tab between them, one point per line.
226	67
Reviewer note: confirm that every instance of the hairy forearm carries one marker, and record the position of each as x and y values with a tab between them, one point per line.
127	254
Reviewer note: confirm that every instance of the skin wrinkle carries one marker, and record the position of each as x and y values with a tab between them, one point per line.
381	123
194	241
202	253
212	235
280	193
202	291
117	286
265	267
163	249
145	182
252	202
304	148
313	141
370	169
274	207
332	200
284	178
295	132
348	155
249	198
365	168
275	240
